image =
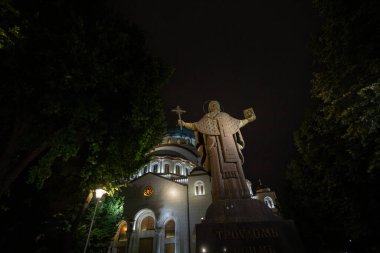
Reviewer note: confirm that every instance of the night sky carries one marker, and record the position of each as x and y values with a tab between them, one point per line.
242	53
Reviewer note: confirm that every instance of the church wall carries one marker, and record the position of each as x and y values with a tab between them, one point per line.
168	201
198	204
274	205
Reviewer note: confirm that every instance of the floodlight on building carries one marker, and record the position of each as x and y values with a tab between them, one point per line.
173	192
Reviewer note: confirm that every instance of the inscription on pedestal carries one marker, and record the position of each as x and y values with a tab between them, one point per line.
247	234
248	237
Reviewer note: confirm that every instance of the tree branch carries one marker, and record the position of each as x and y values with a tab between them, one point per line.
12	174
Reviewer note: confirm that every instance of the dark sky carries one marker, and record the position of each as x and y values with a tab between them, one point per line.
242	53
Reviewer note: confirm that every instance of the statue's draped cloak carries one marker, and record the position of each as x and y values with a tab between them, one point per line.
229	126
220	139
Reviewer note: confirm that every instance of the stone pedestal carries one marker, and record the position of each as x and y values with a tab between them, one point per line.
245	226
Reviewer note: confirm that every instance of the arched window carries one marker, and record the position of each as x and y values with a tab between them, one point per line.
167	168
184	171
119	241
177	169
123	233
170	229
170	140
155	168
199	188
269	202
147	223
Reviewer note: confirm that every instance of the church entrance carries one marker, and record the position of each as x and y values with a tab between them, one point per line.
146	245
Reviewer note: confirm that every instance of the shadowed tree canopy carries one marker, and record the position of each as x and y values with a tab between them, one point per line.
76	84
334	181
79	109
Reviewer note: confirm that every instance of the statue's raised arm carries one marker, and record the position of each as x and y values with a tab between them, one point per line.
190	126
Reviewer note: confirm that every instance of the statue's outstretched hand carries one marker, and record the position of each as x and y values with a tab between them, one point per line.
181	123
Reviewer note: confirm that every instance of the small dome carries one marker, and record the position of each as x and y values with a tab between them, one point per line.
262	187
177	136
178	132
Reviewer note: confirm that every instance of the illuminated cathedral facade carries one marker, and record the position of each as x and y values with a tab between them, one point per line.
167	197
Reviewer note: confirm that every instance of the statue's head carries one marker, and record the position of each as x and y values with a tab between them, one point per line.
213	106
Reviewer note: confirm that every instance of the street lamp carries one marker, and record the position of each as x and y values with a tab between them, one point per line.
98	195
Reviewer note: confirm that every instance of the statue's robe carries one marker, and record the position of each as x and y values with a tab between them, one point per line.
220	143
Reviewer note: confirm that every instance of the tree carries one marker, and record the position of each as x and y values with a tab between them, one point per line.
77	84
79	108
334	180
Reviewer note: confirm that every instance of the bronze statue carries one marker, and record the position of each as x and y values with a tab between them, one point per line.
220	142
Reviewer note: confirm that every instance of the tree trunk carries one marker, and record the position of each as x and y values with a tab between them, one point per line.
82	211
10	150
13	173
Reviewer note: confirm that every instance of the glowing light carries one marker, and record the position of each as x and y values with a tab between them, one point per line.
173	193
204	250
99	193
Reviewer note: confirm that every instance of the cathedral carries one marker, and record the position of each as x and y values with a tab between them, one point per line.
168	196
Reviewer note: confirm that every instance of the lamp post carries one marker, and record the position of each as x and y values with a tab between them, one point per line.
98	195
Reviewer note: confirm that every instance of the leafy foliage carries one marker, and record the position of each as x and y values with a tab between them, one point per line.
77	84
79	109
108	214
334	181
9	25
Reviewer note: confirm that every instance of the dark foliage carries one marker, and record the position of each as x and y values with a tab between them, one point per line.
334	184
79	108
